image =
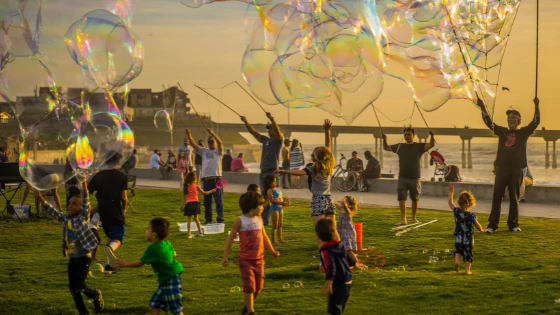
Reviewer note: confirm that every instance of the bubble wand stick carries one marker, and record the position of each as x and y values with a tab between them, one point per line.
250	96
212	96
202	121
399	233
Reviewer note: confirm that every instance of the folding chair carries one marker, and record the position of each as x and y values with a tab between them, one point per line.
131	187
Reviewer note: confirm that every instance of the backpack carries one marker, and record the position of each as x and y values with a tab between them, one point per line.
453	174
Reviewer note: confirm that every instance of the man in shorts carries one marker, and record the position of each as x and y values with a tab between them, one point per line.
111	185
409	154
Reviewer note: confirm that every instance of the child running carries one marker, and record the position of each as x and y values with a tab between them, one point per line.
322	203
78	241
277	203
253	241
465	222
161	255
348	207
336	262
192	208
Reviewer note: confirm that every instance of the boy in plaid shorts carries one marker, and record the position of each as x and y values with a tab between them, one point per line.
253	240
161	255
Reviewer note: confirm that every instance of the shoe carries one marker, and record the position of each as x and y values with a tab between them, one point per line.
198	235
522	200
490	230
109	270
191	236
244	311
516	229
98	303
111	254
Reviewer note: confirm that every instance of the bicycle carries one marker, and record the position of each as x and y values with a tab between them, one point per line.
342	178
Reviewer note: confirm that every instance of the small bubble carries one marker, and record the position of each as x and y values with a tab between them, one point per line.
286	286
425	251
235	289
298	284
557	301
402	268
447	250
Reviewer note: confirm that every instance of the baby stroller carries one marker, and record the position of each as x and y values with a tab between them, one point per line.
443	171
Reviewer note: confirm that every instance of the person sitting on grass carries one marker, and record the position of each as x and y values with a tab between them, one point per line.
78	241
190	196
161	255
336	262
465	222
253	241
348	207
254	188
276	200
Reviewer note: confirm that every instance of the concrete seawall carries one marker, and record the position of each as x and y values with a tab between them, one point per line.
538	193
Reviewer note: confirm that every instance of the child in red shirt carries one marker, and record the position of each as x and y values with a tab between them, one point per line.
190	196
253	240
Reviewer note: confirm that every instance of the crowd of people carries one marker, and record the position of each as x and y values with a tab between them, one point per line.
336	240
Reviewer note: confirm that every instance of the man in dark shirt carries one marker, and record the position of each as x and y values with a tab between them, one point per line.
372	171
409	154
131	163
226	161
510	162
355	164
270	153
111	185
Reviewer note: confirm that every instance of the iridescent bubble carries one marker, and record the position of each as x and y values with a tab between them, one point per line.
402	268
235	289
298	284
286	286
96	270
106	49
162	121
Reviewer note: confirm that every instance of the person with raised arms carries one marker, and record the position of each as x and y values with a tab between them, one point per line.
510	162
270	153
211	173
408	183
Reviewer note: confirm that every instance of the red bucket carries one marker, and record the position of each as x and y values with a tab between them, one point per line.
358	227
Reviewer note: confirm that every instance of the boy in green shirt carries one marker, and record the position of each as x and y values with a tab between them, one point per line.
161	255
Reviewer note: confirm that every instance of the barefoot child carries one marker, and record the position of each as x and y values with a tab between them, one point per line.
253	241
322	203
337	263
78	241
161	255
190	195
348	207
276	199
465	222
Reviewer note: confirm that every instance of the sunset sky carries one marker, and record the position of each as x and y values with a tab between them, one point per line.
204	46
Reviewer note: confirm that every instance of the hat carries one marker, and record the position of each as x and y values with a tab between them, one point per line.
513	111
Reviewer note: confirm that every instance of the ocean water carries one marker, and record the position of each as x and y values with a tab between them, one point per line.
483	156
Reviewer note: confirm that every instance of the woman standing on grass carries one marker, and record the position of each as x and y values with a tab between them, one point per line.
322	203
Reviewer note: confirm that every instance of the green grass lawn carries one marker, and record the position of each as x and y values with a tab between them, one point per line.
513	273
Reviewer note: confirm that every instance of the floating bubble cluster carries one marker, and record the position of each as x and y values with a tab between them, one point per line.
82	126
333	55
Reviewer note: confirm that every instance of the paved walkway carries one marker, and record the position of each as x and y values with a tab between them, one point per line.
538	210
